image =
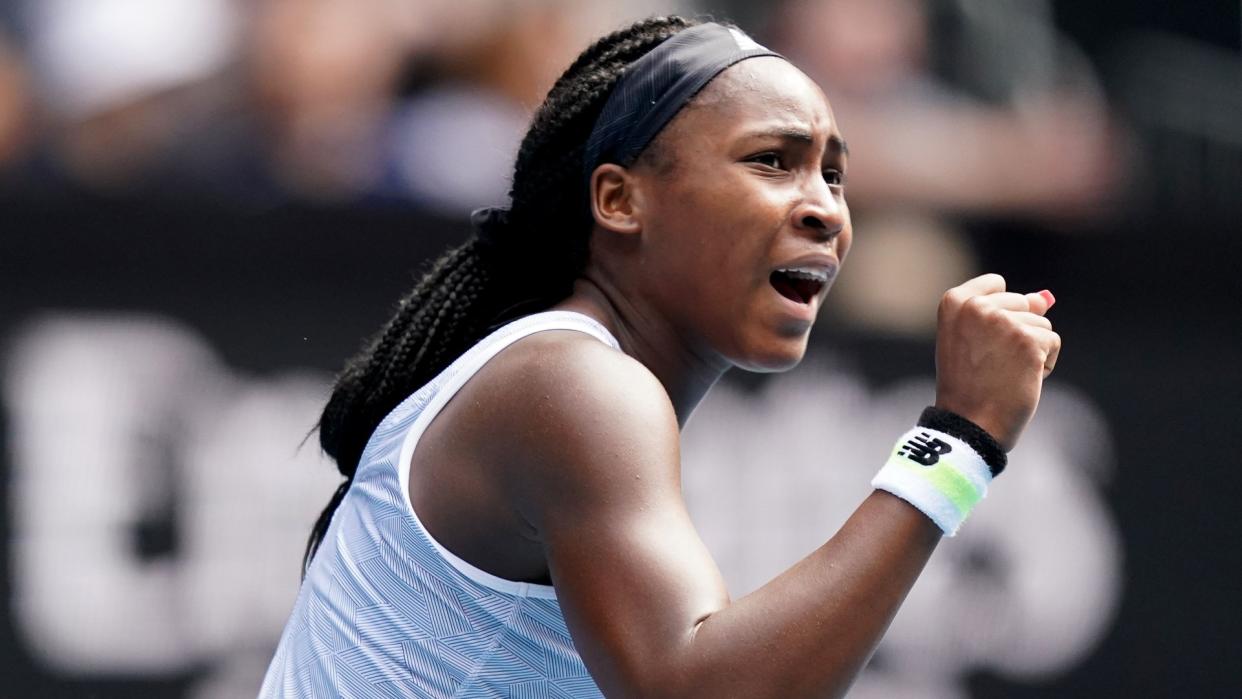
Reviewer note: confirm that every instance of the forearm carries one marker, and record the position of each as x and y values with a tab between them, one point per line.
647	608
808	632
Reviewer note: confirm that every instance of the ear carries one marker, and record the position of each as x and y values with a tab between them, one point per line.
616	202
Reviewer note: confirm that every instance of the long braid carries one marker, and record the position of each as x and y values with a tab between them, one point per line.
477	285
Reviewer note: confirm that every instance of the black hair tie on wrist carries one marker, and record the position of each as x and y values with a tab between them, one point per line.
975	436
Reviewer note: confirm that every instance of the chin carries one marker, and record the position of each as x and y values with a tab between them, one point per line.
777	357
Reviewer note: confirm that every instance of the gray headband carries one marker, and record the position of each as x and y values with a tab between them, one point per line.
654	88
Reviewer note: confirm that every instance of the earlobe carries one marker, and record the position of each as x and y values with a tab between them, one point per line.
616	203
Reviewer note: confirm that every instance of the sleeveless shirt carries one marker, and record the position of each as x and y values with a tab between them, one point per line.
386	611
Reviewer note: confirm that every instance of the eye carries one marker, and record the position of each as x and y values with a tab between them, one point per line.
834	177
771	159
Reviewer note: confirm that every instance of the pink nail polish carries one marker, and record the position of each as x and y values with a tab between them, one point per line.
1048	297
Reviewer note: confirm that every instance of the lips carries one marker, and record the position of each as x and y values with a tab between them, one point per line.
801	283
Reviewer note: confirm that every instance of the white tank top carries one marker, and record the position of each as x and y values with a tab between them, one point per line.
386	611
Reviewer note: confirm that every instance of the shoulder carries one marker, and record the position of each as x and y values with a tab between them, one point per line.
567	411
580	381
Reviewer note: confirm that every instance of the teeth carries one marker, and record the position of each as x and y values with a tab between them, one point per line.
815	275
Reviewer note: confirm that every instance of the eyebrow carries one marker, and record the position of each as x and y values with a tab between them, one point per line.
796	133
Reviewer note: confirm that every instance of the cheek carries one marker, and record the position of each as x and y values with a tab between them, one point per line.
716	230
716	241
747	219
844	242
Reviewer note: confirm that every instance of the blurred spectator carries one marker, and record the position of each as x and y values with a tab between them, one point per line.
14	105
122	81
1051	154
172	98
324	74
453	144
259	103
925	149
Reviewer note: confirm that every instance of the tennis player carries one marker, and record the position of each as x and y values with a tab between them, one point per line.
511	524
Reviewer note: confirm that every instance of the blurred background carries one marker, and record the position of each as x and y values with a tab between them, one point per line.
205	205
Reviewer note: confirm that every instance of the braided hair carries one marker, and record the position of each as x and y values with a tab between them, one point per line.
529	264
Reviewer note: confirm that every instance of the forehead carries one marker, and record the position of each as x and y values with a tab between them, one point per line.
767	89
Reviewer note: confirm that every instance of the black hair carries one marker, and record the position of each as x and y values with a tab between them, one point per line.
527	266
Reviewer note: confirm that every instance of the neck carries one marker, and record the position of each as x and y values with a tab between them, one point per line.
686	371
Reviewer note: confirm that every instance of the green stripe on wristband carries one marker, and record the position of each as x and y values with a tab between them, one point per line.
937	473
945	477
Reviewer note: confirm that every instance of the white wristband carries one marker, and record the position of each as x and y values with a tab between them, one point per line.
937	473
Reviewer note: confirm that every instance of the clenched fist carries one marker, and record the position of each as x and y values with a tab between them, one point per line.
993	350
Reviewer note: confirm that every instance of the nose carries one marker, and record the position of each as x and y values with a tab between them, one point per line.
821	213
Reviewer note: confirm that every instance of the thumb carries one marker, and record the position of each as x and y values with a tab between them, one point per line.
1040	302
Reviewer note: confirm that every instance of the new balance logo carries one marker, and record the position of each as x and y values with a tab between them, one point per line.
924	449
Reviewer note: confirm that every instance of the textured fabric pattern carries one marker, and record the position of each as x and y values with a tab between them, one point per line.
386	611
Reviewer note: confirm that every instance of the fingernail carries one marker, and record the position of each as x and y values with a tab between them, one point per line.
1048	297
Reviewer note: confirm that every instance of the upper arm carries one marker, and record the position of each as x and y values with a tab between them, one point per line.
596	473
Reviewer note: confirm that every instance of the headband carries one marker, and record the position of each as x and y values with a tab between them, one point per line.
654	88
649	93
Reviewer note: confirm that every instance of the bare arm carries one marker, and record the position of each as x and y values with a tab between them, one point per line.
645	604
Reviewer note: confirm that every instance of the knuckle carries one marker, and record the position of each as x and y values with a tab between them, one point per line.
1002	323
950	306
1027	342
976	305
1036	321
998	318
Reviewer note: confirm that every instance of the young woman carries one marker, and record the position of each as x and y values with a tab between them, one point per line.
512	523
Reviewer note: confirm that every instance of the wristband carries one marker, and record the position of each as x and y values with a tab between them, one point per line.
967	431
938	473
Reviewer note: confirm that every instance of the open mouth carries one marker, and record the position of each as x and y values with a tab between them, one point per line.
799	285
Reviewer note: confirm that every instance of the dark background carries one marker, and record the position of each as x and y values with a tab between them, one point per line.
1147	304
